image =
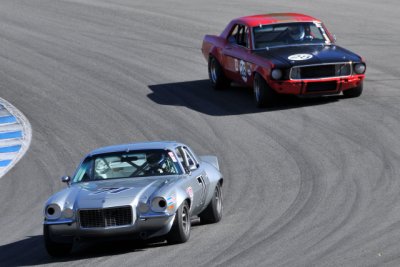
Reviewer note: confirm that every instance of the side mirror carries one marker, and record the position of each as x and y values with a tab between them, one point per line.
334	38
66	179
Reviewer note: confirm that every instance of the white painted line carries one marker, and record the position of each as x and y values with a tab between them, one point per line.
11	128
8	142
5	156
4	112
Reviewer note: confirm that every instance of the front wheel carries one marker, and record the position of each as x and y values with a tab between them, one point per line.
263	94
213	212
216	74
180	231
354	92
55	249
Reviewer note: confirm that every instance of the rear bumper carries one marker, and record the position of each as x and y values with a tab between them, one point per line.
319	86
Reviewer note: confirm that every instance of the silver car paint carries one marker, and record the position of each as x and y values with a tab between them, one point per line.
135	192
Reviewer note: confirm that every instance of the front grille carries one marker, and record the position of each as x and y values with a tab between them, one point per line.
321	86
321	71
109	217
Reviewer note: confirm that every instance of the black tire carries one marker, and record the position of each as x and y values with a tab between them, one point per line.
180	231
216	74
355	92
213	212
263	94
55	249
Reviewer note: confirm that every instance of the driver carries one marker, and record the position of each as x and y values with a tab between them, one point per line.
296	32
156	163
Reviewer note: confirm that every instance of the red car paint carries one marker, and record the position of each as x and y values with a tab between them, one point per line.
230	55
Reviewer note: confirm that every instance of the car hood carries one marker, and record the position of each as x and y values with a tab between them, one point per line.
119	192
318	54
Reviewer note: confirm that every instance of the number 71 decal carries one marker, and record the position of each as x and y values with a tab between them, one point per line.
202	182
111	190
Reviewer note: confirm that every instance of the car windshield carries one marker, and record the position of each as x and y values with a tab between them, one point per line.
304	33
128	165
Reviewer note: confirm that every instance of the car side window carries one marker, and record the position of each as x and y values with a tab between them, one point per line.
84	172
179	155
191	161
239	35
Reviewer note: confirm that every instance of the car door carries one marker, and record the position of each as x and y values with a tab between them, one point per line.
236	52
199	182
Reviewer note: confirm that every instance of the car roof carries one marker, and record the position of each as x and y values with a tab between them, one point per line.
136	146
256	20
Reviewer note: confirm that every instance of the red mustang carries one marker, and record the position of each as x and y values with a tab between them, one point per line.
282	54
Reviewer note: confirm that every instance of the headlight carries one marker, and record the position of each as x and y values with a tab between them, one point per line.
276	74
359	68
52	212
158	204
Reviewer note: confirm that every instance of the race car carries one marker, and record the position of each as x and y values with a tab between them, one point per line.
282	53
134	191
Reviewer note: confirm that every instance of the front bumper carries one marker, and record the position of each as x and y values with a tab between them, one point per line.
302	87
144	227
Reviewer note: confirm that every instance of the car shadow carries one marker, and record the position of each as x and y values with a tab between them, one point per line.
31	251
199	96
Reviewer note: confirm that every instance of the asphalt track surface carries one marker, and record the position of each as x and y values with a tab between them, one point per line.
308	183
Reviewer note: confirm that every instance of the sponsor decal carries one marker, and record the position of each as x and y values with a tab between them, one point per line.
236	64
171	202
189	191
242	69
172	156
298	57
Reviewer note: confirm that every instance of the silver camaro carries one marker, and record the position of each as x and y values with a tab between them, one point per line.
140	190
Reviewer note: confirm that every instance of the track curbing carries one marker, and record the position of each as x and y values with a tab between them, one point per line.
11	137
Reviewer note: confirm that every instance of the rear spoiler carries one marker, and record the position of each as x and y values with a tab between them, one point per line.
213	160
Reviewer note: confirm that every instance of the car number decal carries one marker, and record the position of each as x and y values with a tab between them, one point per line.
111	190
298	57
242	69
201	181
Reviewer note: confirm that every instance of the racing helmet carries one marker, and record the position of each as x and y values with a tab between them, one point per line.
296	32
156	159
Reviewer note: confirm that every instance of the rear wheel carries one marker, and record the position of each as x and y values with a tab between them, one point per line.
55	249
216	75
180	231
213	212
263	94
354	92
